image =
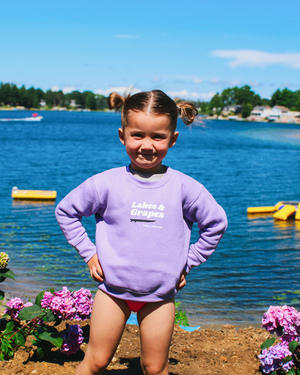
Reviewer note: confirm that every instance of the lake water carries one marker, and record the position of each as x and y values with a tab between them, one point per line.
241	164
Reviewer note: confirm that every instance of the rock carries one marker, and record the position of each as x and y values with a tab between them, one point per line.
21	356
227	328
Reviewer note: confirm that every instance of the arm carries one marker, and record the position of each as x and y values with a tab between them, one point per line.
212	223
82	201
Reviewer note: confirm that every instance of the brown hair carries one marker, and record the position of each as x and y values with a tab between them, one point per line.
154	102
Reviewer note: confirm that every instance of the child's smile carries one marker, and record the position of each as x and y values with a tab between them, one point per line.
147	139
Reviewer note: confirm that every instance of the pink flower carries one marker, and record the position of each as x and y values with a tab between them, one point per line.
282	320
47	299
83	303
63	304
14	306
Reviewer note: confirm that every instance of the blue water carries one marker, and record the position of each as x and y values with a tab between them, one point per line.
241	164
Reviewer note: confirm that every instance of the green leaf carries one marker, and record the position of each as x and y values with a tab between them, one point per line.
4	347
20	338
39	297
267	343
31	312
50	334
2	279
287	359
49	317
5	272
293	345
1	295
291	371
9	327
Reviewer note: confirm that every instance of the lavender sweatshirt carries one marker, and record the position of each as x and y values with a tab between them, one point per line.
143	230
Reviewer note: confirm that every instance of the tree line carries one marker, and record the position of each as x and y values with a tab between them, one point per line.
248	99
11	95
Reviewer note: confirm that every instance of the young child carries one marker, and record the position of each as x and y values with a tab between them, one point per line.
144	215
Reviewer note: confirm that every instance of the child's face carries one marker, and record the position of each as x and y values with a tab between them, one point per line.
147	139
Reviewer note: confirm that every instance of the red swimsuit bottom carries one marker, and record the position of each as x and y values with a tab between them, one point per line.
135	306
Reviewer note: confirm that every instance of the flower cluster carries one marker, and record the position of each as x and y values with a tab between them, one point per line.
285	322
4	259
14	306
282	320
72	340
69	305
272	358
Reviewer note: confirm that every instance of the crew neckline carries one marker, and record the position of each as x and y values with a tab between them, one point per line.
148	184
150	177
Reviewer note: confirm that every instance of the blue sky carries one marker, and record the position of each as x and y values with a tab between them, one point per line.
190	49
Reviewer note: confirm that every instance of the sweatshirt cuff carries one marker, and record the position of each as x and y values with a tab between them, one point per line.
86	249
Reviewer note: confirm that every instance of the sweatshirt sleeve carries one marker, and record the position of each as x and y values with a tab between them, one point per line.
212	223
82	201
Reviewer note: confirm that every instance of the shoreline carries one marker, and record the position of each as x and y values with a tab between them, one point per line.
27	290
250	119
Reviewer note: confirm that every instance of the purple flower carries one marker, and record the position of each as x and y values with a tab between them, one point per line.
83	304
14	306
271	358
72	340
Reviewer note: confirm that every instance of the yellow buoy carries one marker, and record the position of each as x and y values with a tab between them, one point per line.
260	210
285	212
33	194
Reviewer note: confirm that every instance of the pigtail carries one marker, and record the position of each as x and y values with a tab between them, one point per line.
115	101
187	112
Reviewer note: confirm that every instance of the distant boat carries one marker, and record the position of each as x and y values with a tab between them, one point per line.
34	117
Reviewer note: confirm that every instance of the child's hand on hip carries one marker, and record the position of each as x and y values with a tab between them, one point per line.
182	281
95	268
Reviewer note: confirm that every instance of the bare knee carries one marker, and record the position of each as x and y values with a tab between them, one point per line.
154	368
93	365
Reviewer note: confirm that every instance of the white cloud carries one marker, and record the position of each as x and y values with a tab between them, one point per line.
254	58
197	80
55	88
122	90
155	79
125	36
67	90
184	94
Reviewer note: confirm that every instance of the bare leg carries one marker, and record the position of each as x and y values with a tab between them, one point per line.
156	328
108	320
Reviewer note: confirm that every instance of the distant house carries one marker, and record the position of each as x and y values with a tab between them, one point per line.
42	103
261	111
73	103
277	111
236	109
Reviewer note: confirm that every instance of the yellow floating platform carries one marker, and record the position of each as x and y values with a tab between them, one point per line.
285	212
33	194
282	210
